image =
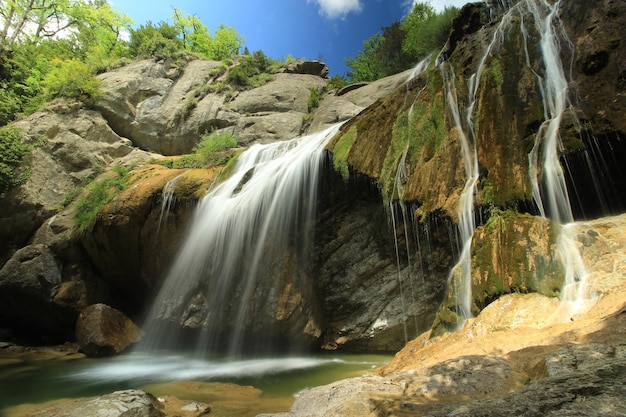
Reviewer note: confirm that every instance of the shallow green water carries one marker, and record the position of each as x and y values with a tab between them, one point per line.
43	381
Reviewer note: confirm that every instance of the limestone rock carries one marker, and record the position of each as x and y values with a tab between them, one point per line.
287	92
268	127
349	397
133	239
102	330
128	403
351	100
157	107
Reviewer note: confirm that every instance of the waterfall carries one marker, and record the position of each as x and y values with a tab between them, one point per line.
240	235
460	276
461	273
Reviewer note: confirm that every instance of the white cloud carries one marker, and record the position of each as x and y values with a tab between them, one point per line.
334	9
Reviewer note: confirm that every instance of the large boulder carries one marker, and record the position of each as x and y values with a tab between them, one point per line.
29	285
102	330
299	66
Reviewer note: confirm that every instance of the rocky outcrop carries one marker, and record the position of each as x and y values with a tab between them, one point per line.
300	66
166	109
102	331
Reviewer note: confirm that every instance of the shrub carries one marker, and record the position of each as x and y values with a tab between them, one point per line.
337	82
13	152
314	99
212	143
71	79
253	71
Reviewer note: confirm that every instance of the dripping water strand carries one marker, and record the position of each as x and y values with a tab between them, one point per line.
168	199
400	178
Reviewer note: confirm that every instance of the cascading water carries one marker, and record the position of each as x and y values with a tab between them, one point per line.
551	197
242	233
461	273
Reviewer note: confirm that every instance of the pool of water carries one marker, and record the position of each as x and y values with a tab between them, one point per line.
42	381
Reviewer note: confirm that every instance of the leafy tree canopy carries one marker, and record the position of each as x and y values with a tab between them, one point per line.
402	44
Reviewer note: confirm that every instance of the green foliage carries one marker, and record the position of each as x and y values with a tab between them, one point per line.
365	67
98	195
314	99
212	143
251	72
150	41
223	44
402	44
13	152
71	79
426	30
337	82
208	152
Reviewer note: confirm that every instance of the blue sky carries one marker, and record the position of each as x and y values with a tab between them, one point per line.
328	29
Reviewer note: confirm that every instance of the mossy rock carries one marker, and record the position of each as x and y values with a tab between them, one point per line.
511	253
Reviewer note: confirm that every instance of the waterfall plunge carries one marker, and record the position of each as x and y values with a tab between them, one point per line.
238	235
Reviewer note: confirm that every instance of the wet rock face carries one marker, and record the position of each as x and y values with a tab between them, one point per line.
373	298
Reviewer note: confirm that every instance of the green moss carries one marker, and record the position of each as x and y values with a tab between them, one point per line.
341	152
398	144
98	195
507	259
495	71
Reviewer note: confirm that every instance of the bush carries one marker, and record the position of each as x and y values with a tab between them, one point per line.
71	79
252	71
13	152
212	143
337	82
314	99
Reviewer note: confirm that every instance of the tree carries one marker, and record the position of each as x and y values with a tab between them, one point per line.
366	67
89	22
426	30
402	44
150	41
195	37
